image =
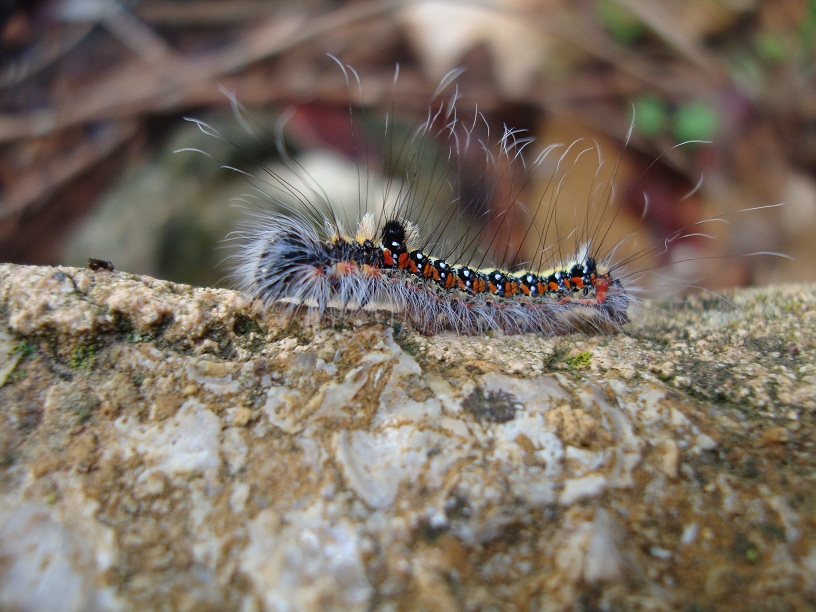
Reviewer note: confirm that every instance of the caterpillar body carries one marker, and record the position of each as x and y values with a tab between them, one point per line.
300	257
287	261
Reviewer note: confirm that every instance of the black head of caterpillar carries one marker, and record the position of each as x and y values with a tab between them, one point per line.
552	280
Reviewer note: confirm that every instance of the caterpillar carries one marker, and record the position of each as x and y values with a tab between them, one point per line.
436	254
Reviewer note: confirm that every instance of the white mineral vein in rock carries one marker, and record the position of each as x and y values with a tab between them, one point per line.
375	464
587	487
303	560
186	443
49	561
217	385
279	409
395	403
627	448
604	560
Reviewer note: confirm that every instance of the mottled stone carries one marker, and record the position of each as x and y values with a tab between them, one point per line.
165	446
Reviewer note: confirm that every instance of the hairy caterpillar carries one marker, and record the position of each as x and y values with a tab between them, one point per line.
437	254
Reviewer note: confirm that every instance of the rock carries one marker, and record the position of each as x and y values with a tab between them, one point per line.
169	446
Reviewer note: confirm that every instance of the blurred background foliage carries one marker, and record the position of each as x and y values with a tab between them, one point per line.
93	94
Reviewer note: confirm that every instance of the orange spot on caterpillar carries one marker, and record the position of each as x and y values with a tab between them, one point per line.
406	263
371	271
429	271
343	268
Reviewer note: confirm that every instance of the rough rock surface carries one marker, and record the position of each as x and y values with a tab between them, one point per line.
169	447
